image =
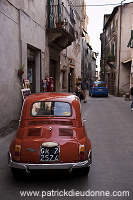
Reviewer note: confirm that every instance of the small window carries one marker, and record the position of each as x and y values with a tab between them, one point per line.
51	108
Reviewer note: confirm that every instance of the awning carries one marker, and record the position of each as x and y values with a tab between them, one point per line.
126	61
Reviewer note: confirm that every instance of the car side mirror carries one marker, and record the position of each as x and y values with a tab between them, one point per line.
84	120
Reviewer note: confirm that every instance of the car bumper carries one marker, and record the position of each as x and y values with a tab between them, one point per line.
99	93
53	166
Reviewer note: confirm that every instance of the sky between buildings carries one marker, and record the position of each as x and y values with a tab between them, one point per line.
96	14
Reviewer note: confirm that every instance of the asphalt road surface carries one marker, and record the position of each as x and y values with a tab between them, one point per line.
109	122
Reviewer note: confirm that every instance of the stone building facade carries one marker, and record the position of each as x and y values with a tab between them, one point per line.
88	56
116	56
88	66
31	36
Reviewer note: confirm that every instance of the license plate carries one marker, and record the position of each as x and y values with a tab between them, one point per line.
100	89
49	154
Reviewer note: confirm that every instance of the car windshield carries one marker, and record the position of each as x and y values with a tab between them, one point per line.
48	108
98	84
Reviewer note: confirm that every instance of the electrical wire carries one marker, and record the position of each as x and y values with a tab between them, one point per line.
100	5
103	4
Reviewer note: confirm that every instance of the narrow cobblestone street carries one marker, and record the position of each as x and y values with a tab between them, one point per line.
110	125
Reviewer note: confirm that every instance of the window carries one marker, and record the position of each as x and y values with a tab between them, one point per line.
113	49
72	15
98	84
51	108
64	83
113	28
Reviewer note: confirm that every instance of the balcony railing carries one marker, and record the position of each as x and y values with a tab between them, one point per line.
61	18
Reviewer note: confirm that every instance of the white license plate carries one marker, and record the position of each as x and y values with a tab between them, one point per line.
49	154
100	89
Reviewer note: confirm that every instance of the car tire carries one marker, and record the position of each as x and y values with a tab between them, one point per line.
18	173
81	171
85	171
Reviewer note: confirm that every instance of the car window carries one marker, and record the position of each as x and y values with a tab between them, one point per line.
98	84
48	108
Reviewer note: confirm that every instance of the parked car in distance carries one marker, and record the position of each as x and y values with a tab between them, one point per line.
51	135
98	88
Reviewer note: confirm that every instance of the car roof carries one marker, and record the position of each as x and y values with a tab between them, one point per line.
51	96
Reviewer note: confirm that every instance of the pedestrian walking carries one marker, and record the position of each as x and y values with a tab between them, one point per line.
78	90
85	88
132	98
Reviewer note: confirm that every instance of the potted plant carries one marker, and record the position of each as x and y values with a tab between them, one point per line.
110	57
21	70
59	23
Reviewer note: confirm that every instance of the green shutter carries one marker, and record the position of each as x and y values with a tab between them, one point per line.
130	43
50	13
132	34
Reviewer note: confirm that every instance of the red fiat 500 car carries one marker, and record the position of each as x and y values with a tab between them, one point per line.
51	135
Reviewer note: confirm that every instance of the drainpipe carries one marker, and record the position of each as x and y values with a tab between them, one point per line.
83	60
118	94
103	75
